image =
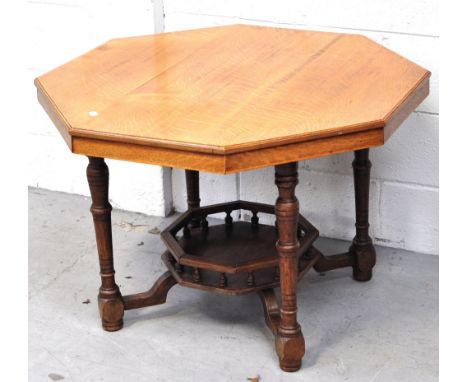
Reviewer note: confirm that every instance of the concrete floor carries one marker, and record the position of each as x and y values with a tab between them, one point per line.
383	330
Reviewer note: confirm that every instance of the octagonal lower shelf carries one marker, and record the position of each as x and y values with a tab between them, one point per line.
232	258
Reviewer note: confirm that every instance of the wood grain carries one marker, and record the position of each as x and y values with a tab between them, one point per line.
156	295
362	248
290	345
228	164
111	306
271	309
216	92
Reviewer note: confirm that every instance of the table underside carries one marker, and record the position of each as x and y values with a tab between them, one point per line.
233	258
237	257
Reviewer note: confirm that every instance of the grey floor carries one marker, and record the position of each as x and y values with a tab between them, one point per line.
383	330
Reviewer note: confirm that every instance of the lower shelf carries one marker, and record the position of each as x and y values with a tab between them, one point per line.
235	283
237	248
232	258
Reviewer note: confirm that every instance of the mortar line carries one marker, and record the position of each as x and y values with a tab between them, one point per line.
42	2
378	31
411	184
158	6
382	180
306	25
426	112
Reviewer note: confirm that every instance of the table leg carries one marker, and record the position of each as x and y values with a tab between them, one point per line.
362	248
111	306
290	345
193	193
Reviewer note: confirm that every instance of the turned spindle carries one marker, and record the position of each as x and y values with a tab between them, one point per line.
222	280
251	279
277	273
192	181
228	220
254	219
196	275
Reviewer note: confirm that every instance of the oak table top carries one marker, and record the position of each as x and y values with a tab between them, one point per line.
231	98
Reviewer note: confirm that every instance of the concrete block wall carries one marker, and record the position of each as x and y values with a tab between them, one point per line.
60	31
404	189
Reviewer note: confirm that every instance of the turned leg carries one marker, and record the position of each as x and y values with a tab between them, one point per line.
110	300
290	345
362	248
193	193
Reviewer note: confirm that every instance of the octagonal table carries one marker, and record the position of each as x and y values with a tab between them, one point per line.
225	100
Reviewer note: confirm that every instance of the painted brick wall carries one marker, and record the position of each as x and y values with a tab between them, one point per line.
404	201
60	31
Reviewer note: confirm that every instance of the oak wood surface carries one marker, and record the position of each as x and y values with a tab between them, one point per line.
111	305
362	247
236	283
232	163
156	295
290	345
217	94
271	309
240	249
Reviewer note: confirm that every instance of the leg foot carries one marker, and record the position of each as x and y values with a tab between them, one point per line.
362	275
364	261
111	311
290	351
